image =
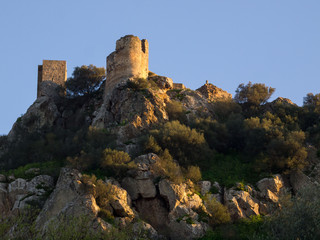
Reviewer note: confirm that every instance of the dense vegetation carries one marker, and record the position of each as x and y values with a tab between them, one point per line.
246	139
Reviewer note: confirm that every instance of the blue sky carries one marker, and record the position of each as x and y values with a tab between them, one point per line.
228	42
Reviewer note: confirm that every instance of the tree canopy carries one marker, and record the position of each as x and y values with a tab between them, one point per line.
312	100
85	80
253	94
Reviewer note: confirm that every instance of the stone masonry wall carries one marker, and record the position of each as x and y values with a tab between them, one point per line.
53	72
129	60
178	86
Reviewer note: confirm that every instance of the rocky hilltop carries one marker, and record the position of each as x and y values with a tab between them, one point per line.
142	157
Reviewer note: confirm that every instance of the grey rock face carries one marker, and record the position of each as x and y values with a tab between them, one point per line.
205	187
43	112
162	82
141	187
299	181
2	178
67	197
15	196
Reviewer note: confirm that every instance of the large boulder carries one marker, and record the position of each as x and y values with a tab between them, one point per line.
205	187
140	183
22	192
155	212
179	194
40	184
121	202
162	82
241	204
145	230
299	181
248	204
182	201
17	187
187	228
69	198
271	188
144	169
174	194
234	209
139	188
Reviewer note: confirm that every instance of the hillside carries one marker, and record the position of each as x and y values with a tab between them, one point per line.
133	155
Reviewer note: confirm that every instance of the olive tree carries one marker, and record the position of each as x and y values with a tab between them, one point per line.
253	94
85	80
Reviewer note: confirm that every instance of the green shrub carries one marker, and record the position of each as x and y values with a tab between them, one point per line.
241	186
219	213
141	84
193	173
167	167
71	228
106	215
176	111
151	145
116	161
288	152
82	162
103	192
224	108
114	157
89	179
185	144
51	168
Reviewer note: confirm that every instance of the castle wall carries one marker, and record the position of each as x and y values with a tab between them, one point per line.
178	86
129	60
51	73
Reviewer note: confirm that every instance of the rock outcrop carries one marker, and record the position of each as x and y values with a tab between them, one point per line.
128	112
69	198
183	221
248	201
16	195
167	209
270	188
299	181
213	93
43	112
121	202
174	204
162	82
284	101
241	204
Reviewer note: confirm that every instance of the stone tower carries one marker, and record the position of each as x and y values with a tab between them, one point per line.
51	75
129	60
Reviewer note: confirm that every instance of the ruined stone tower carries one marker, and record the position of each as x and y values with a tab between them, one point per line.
51	75
129	60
